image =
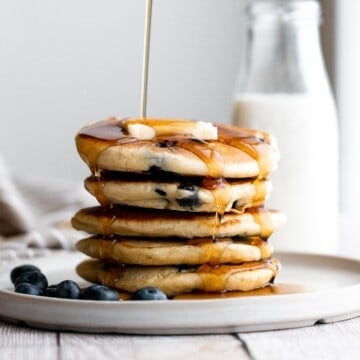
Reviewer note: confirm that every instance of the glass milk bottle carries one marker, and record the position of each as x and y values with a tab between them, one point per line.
283	88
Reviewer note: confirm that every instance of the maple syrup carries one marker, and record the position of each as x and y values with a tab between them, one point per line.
255	145
172	133
215	278
111	132
103	134
98	190
269	290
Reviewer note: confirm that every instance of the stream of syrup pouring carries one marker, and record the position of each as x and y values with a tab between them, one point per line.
111	133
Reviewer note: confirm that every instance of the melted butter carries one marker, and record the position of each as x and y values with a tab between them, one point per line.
163	127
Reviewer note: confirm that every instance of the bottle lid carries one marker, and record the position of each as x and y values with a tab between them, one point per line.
283	10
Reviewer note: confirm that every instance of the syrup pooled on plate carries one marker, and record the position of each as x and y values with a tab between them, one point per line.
270	290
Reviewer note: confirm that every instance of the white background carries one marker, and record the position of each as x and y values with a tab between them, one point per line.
66	63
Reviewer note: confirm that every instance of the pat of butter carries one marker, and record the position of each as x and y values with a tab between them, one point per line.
141	131
147	129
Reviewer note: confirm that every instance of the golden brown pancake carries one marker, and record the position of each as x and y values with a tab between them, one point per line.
238	153
130	221
173	280
181	206
198	195
145	251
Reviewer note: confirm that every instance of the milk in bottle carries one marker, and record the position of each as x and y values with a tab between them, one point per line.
283	89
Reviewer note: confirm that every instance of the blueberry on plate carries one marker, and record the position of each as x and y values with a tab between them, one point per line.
50	291
68	289
99	292
149	293
34	278
29	289
22	269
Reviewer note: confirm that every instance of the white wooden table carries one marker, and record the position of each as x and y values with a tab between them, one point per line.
323	341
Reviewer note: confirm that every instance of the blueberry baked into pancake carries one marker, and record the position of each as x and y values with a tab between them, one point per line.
181	206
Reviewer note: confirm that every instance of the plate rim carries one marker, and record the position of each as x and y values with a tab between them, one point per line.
184	305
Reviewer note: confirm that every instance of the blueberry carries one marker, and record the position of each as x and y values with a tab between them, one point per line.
149	293
19	270
191	202
68	289
25	288
50	291
99	292
160	192
33	277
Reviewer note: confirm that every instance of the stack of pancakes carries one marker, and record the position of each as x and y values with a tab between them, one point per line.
181	206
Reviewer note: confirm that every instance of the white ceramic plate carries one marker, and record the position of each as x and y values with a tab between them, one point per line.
336	282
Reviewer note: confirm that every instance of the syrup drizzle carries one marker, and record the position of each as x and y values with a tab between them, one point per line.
262	217
106	223
212	252
215	278
128	218
255	144
204	151
103	134
260	192
106	248
97	188
222	194
112	132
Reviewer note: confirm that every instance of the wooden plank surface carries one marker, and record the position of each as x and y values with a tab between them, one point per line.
22	343
337	341
210	347
340	340
18	342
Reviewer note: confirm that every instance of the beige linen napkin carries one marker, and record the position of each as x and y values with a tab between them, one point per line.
35	214
15	217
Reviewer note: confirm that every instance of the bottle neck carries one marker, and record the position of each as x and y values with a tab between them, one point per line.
283	57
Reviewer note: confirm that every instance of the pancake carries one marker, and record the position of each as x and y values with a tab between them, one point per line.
199	195
173	280
130	221
144	251
237	153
